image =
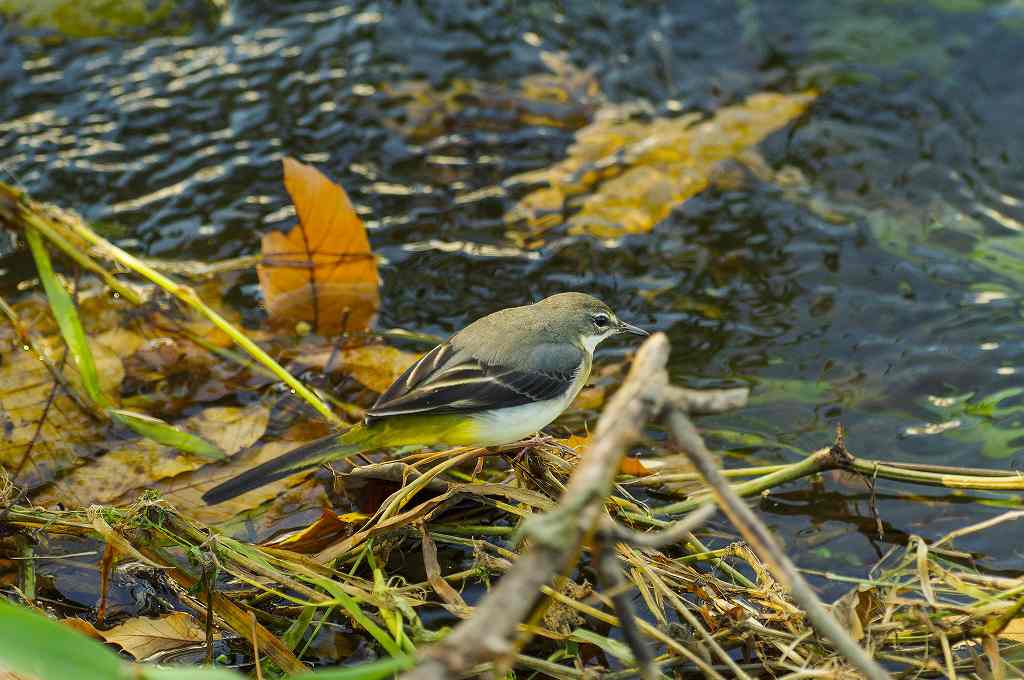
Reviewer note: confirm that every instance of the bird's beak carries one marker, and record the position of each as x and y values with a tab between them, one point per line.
630	328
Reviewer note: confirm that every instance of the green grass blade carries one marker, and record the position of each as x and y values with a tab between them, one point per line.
349	604
32	645
293	636
164	433
377	670
67	319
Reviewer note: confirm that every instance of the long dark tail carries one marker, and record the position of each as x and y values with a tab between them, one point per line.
329	448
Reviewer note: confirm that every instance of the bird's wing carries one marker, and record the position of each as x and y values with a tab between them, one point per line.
451	380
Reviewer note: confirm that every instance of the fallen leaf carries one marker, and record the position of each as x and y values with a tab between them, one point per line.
229	427
634	467
9	675
374	366
1014	631
68	433
576	442
563	96
624	176
589	399
322	271
124	472
83	627
143	637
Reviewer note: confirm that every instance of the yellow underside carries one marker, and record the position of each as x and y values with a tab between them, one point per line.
416	430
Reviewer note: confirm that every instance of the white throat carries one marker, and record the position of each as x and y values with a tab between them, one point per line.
590	342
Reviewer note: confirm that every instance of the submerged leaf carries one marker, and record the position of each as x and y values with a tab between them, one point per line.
322	271
186	491
564	96
625	175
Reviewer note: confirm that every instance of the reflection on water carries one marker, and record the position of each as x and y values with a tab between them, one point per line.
864	267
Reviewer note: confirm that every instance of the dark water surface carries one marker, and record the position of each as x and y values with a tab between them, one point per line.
879	286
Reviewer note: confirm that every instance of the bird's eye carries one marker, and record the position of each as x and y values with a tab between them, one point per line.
602	320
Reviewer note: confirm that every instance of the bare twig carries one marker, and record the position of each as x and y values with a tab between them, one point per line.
612	581
706	402
764	545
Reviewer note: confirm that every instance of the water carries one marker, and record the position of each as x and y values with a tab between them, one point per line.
871	277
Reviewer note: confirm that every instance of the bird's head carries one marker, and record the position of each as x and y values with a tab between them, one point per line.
585	317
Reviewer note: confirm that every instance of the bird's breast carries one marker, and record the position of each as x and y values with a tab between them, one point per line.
507	425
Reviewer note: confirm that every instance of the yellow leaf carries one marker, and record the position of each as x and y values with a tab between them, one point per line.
1014	631
626	176
322	271
142	637
576	442
634	466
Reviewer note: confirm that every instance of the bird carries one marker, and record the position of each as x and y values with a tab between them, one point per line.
500	379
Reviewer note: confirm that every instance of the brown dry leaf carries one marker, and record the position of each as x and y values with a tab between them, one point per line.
83	627
124	472
374	366
322	271
327	529
10	675
625	176
68	432
142	637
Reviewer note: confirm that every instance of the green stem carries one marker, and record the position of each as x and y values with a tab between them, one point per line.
874	468
53	235
187	295
816	462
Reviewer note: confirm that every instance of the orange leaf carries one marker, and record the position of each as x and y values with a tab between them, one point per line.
634	467
328	528
322	271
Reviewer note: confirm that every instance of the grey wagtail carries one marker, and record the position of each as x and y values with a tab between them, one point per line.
498	380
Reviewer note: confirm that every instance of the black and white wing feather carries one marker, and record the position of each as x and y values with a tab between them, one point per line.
451	380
